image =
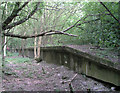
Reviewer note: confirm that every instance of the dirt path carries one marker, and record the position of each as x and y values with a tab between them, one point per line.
32	76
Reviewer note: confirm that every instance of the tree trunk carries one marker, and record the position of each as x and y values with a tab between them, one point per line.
5	38
35	46
39	44
2	51
1	61
40	38
0	34
23	46
119	32
2	42
119	12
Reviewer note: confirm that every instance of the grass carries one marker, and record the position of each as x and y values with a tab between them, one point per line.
17	60
12	54
14	57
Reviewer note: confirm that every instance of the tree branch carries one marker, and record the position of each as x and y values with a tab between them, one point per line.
12	16
24	19
61	32
109	11
83	19
23	5
88	21
51	32
27	36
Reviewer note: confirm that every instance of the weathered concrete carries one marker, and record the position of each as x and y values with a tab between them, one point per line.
80	62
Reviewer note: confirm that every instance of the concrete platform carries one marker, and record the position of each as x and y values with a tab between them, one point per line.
80	62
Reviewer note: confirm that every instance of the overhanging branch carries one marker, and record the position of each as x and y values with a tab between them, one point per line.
109	11
51	32
27	36
75	24
88	21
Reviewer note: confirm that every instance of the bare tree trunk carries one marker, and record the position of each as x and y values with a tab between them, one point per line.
119	31
39	44
2	39
0	29
2	51
5	38
2	43
119	12
40	38
23	46
1	74
47	16
35	46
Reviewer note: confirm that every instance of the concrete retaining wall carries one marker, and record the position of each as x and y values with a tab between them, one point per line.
80	62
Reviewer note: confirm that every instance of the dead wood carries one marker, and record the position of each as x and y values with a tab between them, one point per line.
70	79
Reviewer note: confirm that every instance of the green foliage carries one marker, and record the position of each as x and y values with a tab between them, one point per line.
12	54
16	59
104	32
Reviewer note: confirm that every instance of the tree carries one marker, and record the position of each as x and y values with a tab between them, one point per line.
103	32
70	17
19	16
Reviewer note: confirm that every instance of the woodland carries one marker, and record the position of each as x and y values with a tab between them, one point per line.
27	24
35	24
